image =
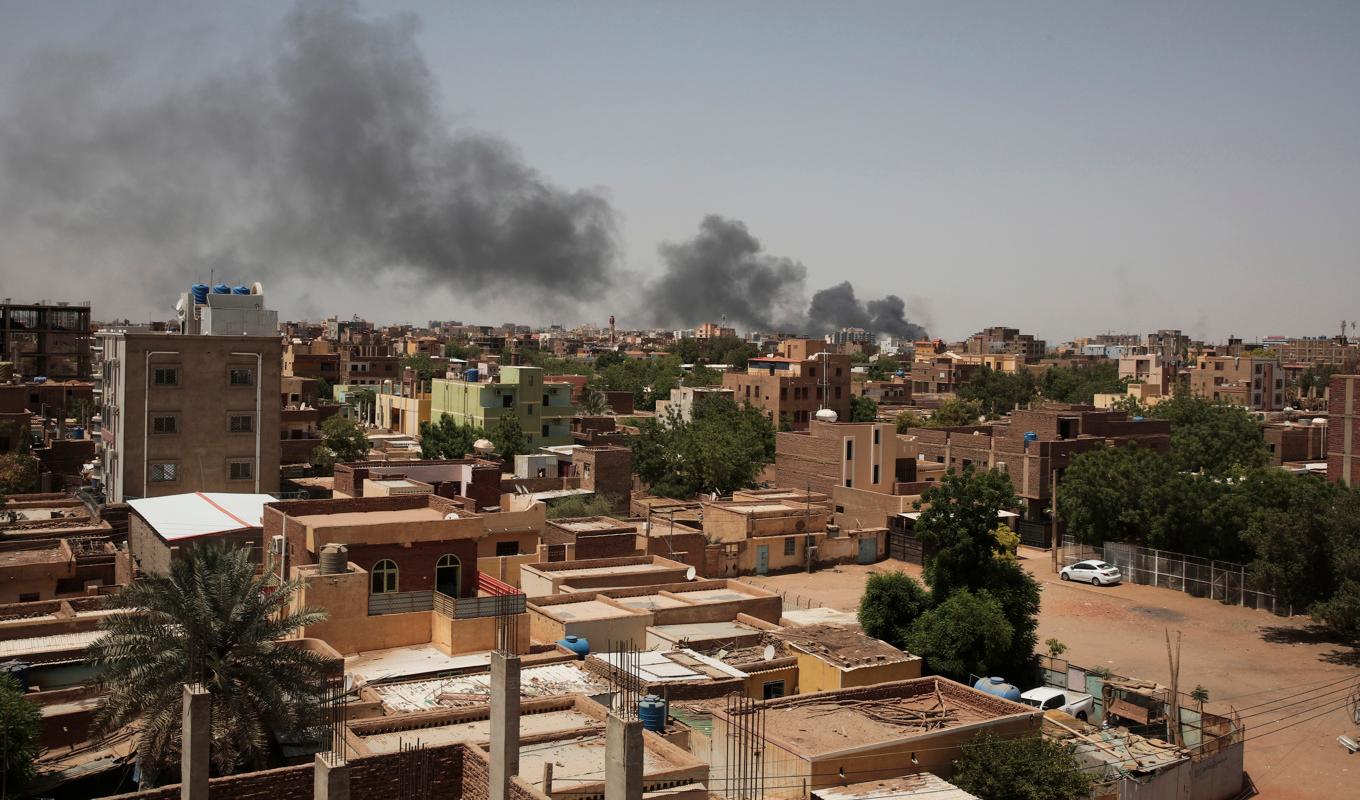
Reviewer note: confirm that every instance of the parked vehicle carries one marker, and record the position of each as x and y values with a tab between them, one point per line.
1081	706
1096	573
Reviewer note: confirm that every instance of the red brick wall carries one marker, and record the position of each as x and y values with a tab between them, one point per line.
607	545
1343	420
415	564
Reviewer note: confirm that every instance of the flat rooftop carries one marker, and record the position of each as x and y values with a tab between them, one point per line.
479	730
34	645
845	646
922	784
674	666
591	524
579	761
406	662
828	722
374	517
707	631
463	691
816	616
584	610
717	595
650	602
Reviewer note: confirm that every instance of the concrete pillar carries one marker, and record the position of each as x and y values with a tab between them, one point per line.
330	777
504	723
196	739
623	758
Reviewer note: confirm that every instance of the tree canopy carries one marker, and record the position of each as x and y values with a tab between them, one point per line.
1021	768
967	634
20	726
722	449
212	619
1080	384
959	517
446	438
581	506
954	413
508	437
18	473
891	603
863	409
1211	437
423	366
997	392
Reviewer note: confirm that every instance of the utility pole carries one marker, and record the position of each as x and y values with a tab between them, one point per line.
1174	662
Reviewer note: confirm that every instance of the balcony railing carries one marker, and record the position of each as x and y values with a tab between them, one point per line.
399	602
440	603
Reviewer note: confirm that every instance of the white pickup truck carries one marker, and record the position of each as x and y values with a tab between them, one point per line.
1081	706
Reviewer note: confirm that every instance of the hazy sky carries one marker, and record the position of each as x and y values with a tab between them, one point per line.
1066	168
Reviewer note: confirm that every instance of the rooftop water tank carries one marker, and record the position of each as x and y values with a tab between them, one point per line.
825	415
1137	419
999	687
241	290
576	644
483	446
652	712
334	559
221	288
470	375
1319	420
200	293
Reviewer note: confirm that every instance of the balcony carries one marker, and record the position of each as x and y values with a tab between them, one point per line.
495	599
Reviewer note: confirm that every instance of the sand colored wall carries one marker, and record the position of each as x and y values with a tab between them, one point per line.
478	634
816	675
506	568
349	628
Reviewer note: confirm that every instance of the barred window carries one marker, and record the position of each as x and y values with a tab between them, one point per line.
239	470
790	546
241	376
164	473
165	376
242	423
167	423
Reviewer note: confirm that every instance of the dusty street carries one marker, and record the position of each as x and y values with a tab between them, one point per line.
1289	684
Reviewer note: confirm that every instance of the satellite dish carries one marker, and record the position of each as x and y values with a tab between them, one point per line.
768	652
690	573
452	515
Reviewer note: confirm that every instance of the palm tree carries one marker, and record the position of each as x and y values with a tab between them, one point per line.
593	402
211	620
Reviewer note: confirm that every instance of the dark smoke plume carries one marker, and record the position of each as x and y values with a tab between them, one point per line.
330	159
723	271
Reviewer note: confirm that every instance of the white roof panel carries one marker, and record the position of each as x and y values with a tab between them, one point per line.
185	516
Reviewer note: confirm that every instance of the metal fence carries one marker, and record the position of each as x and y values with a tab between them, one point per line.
470	607
1224	581
400	602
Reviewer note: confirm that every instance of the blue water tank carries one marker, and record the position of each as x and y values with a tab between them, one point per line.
1137	419
1031	436
241	290
998	687
77	432
470	375
652	712
576	644
200	293
221	288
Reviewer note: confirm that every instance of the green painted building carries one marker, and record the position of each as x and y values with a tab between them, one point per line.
544	409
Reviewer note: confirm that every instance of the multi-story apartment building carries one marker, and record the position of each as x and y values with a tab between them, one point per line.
544	409
1254	383
1171	345
368	365
1146	369
684	398
941	374
713	330
196	411
791	390
1336	351
1343	429
1000	339
51	341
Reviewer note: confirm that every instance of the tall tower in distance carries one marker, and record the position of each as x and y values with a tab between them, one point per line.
613	339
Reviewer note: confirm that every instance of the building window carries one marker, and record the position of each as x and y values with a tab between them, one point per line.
507	548
875	473
545	399
384	577
242	423
790	546
545	431
29	597
165	424
840	509
164	472
838	392
239	470
784	392
241	376
876	439
849	483
165	376
772	689
448	575
507	401
849	449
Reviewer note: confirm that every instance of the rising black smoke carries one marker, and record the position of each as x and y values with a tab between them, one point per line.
330	159
723	272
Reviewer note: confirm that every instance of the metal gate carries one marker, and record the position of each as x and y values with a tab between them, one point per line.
904	546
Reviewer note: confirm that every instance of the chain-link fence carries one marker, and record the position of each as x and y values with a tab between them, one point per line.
1223	581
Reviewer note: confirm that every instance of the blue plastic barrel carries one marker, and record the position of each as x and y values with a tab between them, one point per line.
576	644
652	712
200	293
470	376
221	288
997	686
241	290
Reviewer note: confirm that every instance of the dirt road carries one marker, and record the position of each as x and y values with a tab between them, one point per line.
1289	683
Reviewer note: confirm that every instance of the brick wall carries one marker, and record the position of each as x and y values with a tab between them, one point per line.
416	563
1343	429
607	471
802	460
607	545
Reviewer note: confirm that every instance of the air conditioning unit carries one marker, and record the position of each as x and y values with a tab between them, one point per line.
276	545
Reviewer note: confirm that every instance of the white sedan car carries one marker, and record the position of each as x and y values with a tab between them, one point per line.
1096	573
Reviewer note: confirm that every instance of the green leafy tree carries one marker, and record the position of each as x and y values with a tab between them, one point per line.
594	505
609	358
863	409
18	473
446	438
909	419
1211	437
1107	494
212	619
593	402
959	517
1292	542
891	602
344	438
722	449
1341	610
325	392
423	366
465	351
955	413
1055	647
82	409
1021	768
1080	384
997	392
508	436
967	634
20	726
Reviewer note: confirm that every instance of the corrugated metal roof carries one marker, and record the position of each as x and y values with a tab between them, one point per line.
185	516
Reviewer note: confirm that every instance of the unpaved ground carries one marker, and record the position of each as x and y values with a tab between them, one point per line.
1264	666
